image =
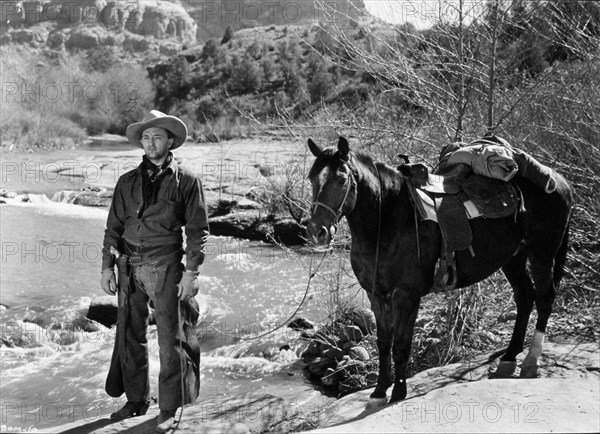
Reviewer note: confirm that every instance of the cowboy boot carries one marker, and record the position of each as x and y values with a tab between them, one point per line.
131	409
165	421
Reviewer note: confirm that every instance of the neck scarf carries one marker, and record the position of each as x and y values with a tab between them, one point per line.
152	176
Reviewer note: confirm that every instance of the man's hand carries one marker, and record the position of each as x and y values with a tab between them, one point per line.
188	287
108	281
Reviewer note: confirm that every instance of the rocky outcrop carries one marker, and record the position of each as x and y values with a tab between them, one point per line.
86	38
103	310
149	25
254	225
162	20
338	358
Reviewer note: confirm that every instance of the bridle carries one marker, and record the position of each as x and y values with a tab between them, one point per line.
337	214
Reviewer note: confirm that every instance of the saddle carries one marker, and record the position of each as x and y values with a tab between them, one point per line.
457	194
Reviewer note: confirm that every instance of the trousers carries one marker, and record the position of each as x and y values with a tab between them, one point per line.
156	283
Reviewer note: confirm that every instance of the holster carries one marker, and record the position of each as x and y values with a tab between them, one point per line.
124	269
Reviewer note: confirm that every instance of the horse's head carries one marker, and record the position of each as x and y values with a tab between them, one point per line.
333	178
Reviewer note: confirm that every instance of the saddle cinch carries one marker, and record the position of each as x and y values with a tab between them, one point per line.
458	191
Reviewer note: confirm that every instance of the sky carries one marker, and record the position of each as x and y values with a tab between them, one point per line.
421	13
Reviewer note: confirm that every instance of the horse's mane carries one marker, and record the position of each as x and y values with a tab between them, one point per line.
390	178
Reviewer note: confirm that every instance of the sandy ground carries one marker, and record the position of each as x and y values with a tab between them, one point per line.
461	398
454	398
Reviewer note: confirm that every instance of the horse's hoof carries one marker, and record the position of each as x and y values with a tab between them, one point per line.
505	369
399	393
374	403
397	398
529	371
378	395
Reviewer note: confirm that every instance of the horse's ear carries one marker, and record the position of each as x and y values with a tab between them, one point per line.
343	147
405	170
404	158
314	148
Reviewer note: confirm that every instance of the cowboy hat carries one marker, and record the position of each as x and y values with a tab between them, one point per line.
159	120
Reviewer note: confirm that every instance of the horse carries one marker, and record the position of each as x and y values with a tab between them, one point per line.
393	254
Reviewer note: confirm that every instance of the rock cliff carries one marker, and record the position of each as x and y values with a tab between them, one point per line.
139	26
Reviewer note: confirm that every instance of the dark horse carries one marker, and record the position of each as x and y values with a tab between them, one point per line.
384	253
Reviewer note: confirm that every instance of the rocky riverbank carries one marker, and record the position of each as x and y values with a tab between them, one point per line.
241	180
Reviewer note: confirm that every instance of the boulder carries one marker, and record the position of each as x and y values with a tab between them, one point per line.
85	324
9	194
104	310
319	366
288	232
22	334
115	14
56	40
365	319
169	49
162	19
137	43
332	352
86	37
312	351
223	204
255	225
93	198
359	353
300	323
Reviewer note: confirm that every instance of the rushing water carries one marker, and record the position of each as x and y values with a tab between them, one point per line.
54	373
50	272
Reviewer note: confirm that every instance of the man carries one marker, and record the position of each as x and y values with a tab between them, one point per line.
144	238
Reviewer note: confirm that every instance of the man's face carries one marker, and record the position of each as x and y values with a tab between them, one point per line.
156	144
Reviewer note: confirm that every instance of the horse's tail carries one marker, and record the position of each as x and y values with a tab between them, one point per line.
560	258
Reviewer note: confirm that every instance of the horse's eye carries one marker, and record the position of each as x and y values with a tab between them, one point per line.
342	180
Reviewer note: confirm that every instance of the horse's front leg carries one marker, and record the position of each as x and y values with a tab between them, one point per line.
405	307
383	317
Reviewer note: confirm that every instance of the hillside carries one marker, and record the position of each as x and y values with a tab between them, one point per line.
214	17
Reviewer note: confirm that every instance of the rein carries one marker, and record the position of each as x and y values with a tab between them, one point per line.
378	232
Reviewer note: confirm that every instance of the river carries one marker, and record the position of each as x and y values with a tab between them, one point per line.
54	373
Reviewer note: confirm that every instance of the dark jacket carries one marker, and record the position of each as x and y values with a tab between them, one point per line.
180	203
